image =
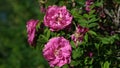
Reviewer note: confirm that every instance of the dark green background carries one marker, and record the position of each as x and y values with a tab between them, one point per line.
14	49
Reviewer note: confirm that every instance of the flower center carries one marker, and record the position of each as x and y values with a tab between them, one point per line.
77	35
59	18
57	51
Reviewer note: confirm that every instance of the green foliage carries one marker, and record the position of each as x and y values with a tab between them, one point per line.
77	53
108	40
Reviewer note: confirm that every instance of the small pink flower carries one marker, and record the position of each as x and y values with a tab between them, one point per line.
88	3
31	30
90	54
57	18
79	34
57	52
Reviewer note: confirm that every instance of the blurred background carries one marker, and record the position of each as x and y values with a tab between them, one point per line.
14	49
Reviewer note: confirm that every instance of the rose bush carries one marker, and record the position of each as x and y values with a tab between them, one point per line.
91	40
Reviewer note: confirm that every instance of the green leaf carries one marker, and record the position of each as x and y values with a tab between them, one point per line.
92	16
86	61
38	26
92	6
92	20
86	37
106	64
91	61
45	31
44	37
96	46
99	3
75	13
56	67
48	34
61	3
73	44
108	39
91	12
65	66
92	32
92	25
109	52
83	22
77	53
105	40
74	63
86	15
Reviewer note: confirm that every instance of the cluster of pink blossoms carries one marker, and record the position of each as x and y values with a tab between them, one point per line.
58	49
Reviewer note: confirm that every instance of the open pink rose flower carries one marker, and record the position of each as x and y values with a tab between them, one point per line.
79	34
57	51
57	18
31	30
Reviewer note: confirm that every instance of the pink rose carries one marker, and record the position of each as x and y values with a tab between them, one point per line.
31	30
57	18
79	34
57	51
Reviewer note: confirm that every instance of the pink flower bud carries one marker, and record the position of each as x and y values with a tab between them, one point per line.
79	34
31	29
